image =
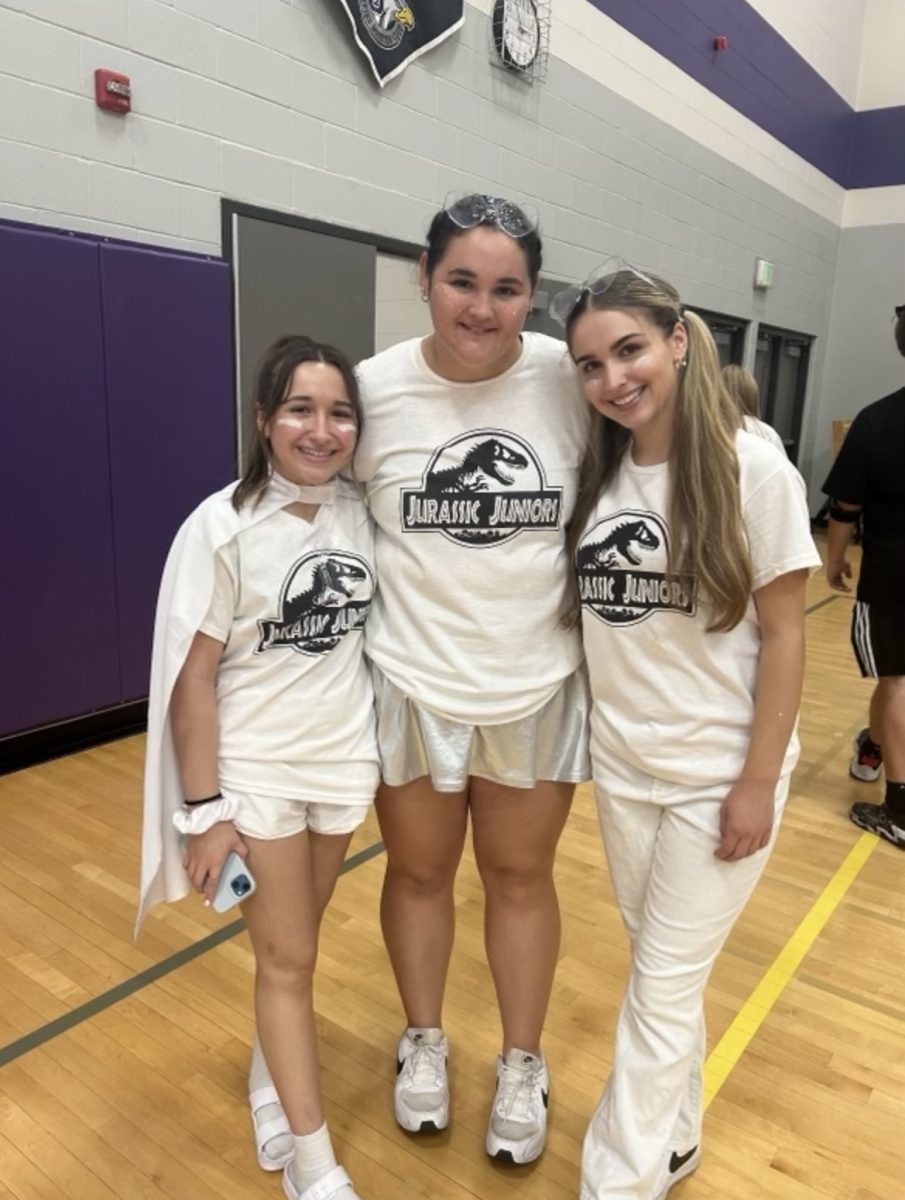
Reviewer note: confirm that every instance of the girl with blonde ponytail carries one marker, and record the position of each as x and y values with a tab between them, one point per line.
691	543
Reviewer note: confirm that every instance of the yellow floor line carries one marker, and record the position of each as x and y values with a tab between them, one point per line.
734	1041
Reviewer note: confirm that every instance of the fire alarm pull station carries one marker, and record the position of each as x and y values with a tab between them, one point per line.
112	91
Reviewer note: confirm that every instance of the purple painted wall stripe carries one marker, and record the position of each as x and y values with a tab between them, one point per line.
769	82
878	150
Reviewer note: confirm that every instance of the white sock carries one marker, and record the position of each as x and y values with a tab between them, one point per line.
259	1077
314	1158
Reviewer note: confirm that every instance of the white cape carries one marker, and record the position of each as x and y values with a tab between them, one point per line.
186	589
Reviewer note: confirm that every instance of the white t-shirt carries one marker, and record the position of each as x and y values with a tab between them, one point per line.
294	697
668	697
471	485
761	429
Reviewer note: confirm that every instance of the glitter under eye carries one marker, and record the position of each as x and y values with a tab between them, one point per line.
294	422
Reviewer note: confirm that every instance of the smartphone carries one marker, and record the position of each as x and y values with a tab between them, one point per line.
236	883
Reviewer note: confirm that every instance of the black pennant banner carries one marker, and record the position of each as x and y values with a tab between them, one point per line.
391	33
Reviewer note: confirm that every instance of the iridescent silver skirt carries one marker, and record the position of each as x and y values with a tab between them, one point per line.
551	744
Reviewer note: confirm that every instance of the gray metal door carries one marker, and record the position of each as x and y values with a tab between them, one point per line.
292	280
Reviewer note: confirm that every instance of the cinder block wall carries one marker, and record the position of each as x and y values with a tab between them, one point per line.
270	102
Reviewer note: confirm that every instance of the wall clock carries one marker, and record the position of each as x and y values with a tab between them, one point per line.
516	28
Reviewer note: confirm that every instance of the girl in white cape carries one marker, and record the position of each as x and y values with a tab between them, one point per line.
260	725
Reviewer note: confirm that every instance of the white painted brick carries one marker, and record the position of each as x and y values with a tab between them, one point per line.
259	178
324	96
40	116
44	53
169	152
236	15
105	19
460	108
131	199
355	157
532	178
479	158
199	216
251	68
578	161
416	88
43	179
381	119
19	212
434	140
172	37
153	83
314	37
606	206
249	121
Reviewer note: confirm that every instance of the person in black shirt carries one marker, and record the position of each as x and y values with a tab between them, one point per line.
867	481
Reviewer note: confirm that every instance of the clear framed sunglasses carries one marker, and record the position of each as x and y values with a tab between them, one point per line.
478	209
598	283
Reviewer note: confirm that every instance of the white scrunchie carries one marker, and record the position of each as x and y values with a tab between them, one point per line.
204	816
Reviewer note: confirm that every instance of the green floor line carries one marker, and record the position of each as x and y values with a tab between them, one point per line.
91	1008
821	604
44	1033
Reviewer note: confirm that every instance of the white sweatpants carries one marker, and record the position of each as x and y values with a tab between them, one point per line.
678	903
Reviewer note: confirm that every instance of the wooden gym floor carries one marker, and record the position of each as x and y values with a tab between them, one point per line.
123	1064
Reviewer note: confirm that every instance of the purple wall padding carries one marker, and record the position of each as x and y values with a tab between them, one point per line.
169	360
769	82
58	634
878	151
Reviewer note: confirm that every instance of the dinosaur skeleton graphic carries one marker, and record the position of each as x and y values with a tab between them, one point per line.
495	489
622	570
326	595
616	548
333	584
487	462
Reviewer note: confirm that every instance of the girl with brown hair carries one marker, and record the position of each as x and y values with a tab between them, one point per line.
745	394
692	544
261	738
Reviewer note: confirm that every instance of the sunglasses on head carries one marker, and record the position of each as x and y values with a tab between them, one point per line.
597	284
478	209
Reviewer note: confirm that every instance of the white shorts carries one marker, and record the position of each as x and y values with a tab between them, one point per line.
270	817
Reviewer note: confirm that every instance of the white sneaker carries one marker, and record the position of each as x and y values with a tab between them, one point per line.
679	1166
518	1118
421	1094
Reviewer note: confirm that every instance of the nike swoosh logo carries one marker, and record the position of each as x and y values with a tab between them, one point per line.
679	1160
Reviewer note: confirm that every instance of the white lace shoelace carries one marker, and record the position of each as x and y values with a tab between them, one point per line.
425	1068
517	1093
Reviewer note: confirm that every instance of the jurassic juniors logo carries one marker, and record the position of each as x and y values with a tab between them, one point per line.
622	575
480	489
326	595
